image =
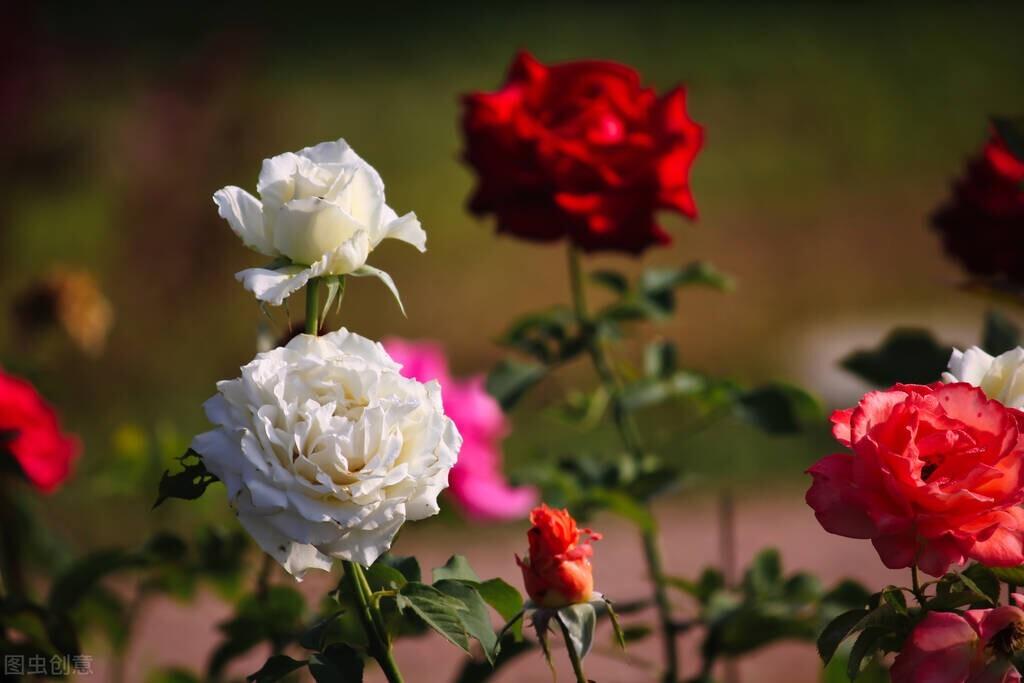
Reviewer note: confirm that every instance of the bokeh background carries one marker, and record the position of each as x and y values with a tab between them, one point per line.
832	132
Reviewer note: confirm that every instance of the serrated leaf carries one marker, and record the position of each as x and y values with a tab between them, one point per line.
476	620
505	600
907	355
276	668
188	484
837	631
457	567
580	621
439	611
611	280
409	566
510	380
382	576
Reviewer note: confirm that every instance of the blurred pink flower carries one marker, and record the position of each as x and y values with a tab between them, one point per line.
477	483
973	647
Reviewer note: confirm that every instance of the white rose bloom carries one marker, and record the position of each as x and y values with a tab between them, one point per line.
326	450
321	212
1001	378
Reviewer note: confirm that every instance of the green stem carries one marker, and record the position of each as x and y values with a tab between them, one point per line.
10	544
373	623
313	307
915	582
630	435
574	657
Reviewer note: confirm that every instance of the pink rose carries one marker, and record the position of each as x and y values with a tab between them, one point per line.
476	483
934	478
973	647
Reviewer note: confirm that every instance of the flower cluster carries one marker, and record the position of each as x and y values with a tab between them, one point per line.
581	151
477	483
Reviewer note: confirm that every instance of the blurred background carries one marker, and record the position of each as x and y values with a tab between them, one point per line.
831	134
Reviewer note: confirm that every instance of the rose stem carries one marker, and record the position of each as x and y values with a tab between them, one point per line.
10	545
915	582
574	657
631	439
372	619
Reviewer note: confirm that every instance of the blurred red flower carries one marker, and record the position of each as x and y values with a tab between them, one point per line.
982	224
976	647
582	151
935	477
30	432
557	571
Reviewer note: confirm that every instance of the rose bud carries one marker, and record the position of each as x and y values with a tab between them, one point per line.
558	572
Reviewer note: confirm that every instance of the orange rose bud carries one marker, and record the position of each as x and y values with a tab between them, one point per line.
558	572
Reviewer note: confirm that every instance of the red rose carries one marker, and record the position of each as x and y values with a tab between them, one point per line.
557	572
982	225
29	431
934	478
580	150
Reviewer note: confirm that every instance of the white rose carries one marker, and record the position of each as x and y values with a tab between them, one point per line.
321	211
326	449
1001	378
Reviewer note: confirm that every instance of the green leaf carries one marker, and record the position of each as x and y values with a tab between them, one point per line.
610	279
981	579
1011	575
276	668
337	664
81	577
907	355
696	273
866	644
383	577
476	620
188	484
409	566
505	599
778	408
893	596
476	671
620	636
1000	334
510	380
622	505
580	621
335	290
837	631
457	567
549	336
439	611
370	271
660	359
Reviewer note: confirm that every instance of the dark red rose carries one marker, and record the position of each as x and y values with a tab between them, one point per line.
29	432
582	151
982	225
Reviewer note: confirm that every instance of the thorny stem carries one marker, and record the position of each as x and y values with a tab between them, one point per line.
630	436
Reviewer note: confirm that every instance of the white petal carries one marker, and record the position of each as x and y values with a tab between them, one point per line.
274	286
244	213
277	179
407	229
296	558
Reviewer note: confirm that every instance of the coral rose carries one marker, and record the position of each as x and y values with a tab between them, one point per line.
982	224
580	151
934	478
975	647
30	432
476	483
558	572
